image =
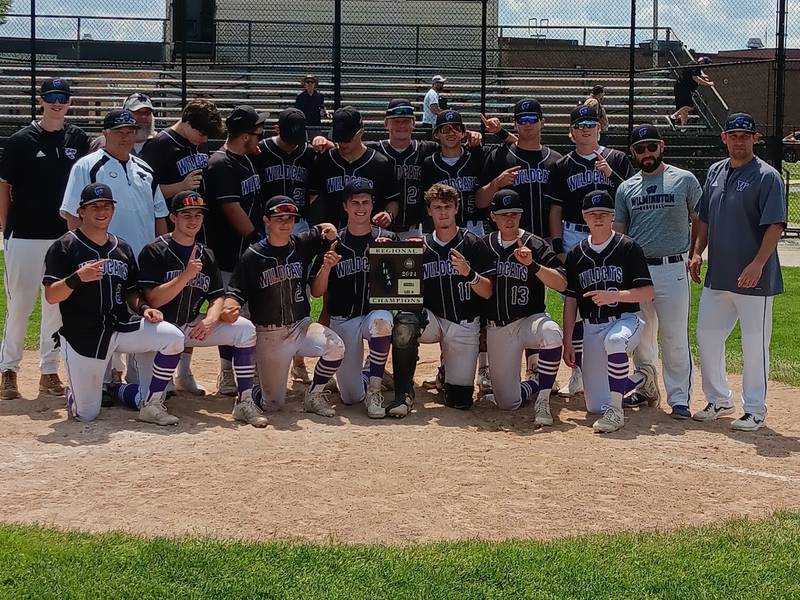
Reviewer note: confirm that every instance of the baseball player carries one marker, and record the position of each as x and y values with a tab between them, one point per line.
344	274
272	277
607	278
655	207
352	159
742	216
456	272
92	275
33	174
141	107
589	167
523	264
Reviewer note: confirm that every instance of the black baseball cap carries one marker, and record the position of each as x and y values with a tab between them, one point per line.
448	117
506	201
243	119
583	114
399	107
187	200
54	85
740	122
292	125
281	205
528	107
358	185
645	133
117	119
596	201
96	192
346	124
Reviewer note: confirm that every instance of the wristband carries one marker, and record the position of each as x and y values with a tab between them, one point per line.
254	238
558	245
475	277
534	268
73	281
503	134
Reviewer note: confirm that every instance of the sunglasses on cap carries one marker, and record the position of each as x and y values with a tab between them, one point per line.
527	119
584	126
400	111
56	98
642	148
283	209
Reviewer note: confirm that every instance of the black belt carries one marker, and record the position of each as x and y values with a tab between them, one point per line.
577	227
666	260
600	320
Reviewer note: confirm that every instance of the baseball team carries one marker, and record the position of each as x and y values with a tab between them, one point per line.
144	245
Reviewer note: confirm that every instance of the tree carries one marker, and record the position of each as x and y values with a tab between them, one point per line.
4	6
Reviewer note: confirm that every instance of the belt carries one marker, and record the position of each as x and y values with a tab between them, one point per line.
576	227
600	320
666	260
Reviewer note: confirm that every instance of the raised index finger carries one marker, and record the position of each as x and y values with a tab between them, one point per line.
484	119
455	253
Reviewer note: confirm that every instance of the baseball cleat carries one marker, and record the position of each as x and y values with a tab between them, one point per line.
612	420
108	399
246	410
712	412
387	382
649	386
484	381
374	405
8	388
188	385
575	385
155	412
541	410
51	384
438	383
749	422
299	372
169	391
226	383
401	408
634	400
317	402
680	412
332	386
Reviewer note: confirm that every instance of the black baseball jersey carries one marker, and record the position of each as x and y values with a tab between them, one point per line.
621	265
285	174
333	173
444	292
408	172
532	182
272	280
518	292
172	157
464	176
348	282
97	309
574	176
163	260
36	164
231	178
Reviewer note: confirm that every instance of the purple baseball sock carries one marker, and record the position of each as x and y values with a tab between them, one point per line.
529	354
225	356
378	354
163	368
126	394
323	373
244	368
618	381
577	343
549	360
528	389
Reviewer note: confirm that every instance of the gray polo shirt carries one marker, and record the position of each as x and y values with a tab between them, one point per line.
656	209
738	205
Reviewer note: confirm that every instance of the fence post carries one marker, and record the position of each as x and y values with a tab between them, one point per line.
780	76
337	54
179	20
33	60
631	69
484	27
249	41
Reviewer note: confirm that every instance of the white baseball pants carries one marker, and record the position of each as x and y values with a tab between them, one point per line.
459	345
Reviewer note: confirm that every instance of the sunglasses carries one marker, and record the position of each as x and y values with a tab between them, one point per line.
584	126
642	148
445	129
400	111
56	98
527	119
283	209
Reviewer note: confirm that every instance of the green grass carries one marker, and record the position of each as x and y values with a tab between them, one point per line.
739	559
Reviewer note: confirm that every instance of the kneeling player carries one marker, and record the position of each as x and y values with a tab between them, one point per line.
93	277
516	318
177	275
344	274
456	270
607	277
272	278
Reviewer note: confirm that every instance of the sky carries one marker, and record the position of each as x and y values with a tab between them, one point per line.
704	25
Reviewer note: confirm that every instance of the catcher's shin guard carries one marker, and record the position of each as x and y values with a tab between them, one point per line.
407	328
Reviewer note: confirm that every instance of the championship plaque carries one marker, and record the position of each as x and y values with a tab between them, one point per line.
395	276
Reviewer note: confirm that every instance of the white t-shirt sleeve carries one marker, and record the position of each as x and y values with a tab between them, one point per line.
432	97
78	179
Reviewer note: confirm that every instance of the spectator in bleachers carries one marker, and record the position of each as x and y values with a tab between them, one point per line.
595	100
311	102
431	106
689	79
141	107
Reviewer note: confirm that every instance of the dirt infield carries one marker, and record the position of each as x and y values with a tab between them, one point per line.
439	474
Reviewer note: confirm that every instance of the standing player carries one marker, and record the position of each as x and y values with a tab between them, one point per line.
352	159
430	104
33	174
655	207
589	167
344	275
141	107
92	275
455	272
742	216
516	317
607	277
272	277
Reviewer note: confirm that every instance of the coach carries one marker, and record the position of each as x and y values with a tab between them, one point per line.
33	174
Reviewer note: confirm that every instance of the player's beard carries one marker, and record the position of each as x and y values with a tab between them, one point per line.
649	168
145	133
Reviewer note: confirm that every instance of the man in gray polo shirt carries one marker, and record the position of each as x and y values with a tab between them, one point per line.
655	207
742	216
